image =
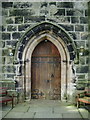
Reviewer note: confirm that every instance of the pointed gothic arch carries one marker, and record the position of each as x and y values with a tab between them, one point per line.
60	38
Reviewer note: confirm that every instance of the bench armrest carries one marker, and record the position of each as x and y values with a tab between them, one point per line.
12	93
80	95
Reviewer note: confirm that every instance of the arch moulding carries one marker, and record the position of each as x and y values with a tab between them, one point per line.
27	46
65	66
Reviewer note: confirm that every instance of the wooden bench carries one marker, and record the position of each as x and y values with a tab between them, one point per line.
4	97
84	98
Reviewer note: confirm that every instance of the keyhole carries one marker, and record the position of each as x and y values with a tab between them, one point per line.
52	76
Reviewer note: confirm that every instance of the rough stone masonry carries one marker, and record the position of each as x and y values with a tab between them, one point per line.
18	17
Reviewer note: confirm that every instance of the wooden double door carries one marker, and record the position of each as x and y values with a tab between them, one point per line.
45	72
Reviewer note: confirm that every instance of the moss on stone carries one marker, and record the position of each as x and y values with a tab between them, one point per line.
7	4
11	28
79	28
3	60
82	69
4	52
19	20
16	35
6	36
9	21
65	4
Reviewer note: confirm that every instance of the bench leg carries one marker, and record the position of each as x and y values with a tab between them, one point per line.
6	103
78	104
12	104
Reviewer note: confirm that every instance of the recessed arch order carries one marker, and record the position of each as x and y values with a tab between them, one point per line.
60	38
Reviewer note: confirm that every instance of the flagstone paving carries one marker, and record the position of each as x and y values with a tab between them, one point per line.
45	109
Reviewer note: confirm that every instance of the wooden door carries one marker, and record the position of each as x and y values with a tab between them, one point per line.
45	72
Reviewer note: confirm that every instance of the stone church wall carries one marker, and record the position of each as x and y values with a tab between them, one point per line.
18	17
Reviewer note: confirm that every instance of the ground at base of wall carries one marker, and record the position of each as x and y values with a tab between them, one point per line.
46	109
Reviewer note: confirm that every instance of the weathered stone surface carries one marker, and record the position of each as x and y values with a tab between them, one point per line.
10	59
3	28
10	69
10	20
70	48
80	43
7	4
11	28
82	69
4	12
44	4
73	35
72	56
81	76
78	12
22	4
86	52
24	15
80	86
86	12
60	12
16	35
3	44
68	27
4	52
87	44
21	12
3	69
21	48
82	60
3	60
86	28
20	55
43	12
62	19
12	43
83	20
33	19
84	36
80	5
87	60
75	19
52	3
23	27
10	76
18	20
5	36
70	12
79	28
65	4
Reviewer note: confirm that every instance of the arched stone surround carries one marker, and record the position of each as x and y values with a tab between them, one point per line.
63	43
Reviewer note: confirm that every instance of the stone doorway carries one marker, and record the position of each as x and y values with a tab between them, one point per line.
66	52
45	72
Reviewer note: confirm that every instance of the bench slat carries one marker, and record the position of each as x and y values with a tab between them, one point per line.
5	99
84	100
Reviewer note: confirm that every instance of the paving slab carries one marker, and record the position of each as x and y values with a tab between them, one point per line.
71	115
44	109
40	109
14	115
84	113
47	115
6	110
21	108
65	109
28	115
